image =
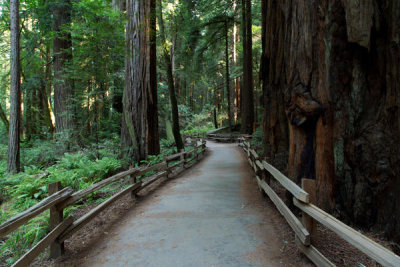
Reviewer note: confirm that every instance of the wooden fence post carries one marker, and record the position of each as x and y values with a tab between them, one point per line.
56	217
132	180
309	223
182	157
166	165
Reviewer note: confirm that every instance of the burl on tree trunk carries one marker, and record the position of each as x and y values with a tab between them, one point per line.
331	70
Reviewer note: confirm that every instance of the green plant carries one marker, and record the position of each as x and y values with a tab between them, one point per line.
257	140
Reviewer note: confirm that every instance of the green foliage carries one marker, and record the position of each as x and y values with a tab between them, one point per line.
40	153
23	190
196	123
257	140
167	147
24	238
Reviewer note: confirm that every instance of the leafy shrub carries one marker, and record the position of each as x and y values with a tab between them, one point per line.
3	151
167	147
257	140
39	153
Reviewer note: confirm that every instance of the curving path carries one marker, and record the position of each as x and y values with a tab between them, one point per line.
209	216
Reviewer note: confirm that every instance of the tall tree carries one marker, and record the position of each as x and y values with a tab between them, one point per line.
63	84
170	81
276	133
236	81
13	157
227	76
140	117
247	101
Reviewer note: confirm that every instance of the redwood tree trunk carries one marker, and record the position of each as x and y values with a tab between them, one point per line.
247	102
13	158
140	118
63	85
335	64
273	79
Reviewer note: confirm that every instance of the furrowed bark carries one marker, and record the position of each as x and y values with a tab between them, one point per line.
63	85
140	116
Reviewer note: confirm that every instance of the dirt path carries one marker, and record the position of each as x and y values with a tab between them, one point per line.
213	215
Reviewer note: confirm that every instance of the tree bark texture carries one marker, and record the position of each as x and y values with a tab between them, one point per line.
63	85
247	94
140	118
275	122
332	69
13	157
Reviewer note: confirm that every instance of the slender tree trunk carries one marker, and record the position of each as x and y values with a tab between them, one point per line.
227	80
63	85
215	106
170	79
247	111
153	139
30	105
140	118
45	90
236	86
13	157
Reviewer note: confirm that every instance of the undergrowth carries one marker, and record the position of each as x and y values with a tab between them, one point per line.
43	165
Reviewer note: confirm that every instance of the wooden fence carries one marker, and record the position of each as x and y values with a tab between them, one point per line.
305	230
192	138
227	137
59	199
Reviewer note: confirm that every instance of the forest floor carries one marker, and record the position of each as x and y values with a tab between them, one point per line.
212	215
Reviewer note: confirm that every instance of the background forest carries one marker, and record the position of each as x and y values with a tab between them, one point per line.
73	71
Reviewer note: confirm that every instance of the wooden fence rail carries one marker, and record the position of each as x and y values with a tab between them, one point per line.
301	199
61	228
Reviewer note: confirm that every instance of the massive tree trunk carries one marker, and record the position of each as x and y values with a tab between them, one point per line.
272	77
13	158
335	63
247	101
140	118
63	85
171	84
